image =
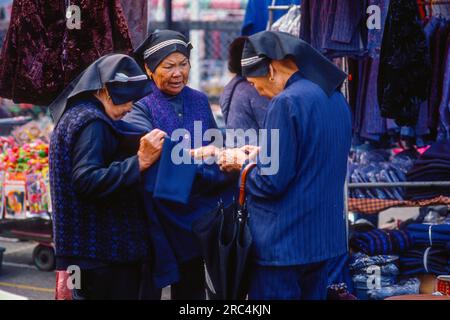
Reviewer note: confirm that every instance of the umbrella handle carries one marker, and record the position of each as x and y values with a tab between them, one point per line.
246	170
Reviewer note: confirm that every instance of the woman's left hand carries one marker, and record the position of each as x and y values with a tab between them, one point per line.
204	152
232	160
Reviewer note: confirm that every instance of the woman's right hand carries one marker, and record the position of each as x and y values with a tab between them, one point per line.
150	148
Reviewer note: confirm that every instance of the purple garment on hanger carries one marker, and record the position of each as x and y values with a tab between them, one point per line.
444	109
438	50
374	125
334	27
375	36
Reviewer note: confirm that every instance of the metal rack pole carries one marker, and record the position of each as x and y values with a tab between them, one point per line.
400	184
274	7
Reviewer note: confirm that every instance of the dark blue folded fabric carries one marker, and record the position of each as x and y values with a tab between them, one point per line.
433	165
173	181
430	235
376	242
425	260
175	195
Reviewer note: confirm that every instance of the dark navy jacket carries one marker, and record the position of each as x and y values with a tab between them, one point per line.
98	215
176	197
297	214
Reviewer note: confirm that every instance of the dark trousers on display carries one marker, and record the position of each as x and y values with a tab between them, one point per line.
302	282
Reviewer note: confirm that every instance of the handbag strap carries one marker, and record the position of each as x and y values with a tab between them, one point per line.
245	172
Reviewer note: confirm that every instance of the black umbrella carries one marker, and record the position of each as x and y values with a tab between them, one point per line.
225	243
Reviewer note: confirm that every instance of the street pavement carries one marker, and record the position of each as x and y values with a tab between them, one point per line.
20	277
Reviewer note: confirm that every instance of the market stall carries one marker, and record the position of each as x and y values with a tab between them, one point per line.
25	204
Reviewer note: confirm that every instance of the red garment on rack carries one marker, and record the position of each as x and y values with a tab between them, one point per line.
422	10
41	55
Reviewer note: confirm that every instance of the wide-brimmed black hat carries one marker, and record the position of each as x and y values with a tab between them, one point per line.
120	74
263	47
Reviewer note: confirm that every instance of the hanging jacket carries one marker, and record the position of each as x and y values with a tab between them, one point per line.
41	55
405	69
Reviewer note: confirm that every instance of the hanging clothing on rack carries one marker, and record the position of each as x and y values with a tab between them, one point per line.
375	35
438	8
289	23
136	14
257	14
41	55
404	72
438	47
336	28
444	109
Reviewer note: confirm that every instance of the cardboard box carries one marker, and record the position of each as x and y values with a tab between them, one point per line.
428	283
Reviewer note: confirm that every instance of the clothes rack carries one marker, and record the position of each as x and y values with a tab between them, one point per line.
417	184
400	184
273	7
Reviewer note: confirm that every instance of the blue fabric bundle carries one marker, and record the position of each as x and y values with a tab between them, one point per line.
408	286
382	242
433	165
426	260
389	269
360	260
430	235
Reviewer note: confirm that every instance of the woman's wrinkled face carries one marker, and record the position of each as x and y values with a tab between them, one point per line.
117	112
172	74
263	85
114	111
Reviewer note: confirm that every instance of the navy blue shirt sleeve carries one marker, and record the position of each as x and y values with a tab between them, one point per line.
95	173
139	117
272	185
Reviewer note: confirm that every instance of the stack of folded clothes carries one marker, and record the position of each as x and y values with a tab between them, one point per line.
429	234
433	165
381	242
426	260
376	277
431	252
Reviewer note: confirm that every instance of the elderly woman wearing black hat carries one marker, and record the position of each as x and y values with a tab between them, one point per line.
296	206
100	224
170	106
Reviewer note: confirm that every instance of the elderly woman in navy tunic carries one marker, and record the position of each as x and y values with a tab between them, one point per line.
99	221
173	105
296	213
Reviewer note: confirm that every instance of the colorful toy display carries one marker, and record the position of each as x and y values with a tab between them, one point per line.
24	187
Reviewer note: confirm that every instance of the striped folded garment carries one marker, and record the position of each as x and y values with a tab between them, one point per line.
381	242
431	235
426	260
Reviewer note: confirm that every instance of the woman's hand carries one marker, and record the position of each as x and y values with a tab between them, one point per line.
251	151
205	152
232	160
150	148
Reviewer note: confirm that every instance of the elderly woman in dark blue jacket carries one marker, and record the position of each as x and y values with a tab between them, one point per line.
295	202
173	105
96	162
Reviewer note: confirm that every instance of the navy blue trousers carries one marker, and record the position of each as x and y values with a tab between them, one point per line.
302	282
112	282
